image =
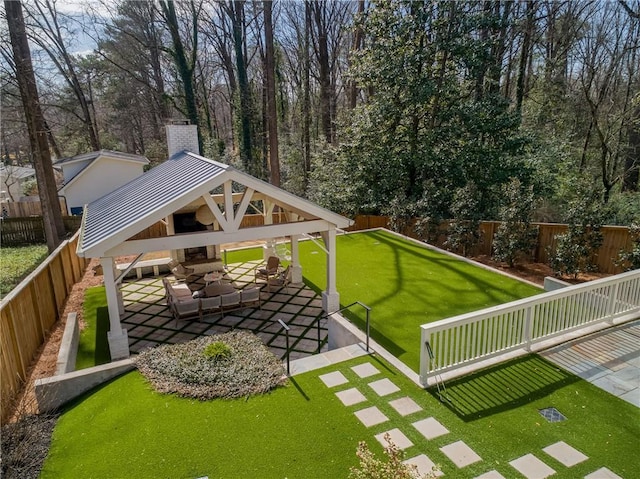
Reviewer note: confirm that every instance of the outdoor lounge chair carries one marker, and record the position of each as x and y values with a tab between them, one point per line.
179	271
268	271
185	308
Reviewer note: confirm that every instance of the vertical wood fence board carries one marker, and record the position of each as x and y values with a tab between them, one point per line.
67	269
57	280
46	299
10	356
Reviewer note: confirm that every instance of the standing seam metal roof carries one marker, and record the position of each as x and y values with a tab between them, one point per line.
145	194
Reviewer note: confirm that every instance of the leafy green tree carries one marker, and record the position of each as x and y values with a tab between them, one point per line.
575	251
515	237
425	131
631	259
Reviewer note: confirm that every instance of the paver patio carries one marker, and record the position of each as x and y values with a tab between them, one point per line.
149	321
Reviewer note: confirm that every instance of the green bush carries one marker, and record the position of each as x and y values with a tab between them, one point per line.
631	259
217	350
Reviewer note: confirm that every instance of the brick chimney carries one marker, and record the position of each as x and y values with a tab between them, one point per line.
182	136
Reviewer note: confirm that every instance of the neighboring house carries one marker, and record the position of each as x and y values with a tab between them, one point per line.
12	179
90	176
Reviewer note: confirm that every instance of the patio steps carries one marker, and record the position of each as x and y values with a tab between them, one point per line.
327	358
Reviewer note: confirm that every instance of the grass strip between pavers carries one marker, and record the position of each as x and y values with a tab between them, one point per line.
125	430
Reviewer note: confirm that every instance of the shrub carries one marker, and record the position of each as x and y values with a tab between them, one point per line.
217	350
371	467
464	230
629	260
184	369
515	236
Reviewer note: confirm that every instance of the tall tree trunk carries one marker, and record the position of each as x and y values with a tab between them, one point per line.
272	114
236	11
358	38
324	70
54	227
184	66
632	159
524	56
306	99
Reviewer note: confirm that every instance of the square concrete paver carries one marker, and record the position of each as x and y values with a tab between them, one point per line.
333	379
602	473
405	406
424	465
371	416
531	467
365	370
384	387
460	454
397	437
351	396
564	453
493	474
430	428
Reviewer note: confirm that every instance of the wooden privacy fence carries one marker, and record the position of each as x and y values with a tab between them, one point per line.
18	209
470	339
29	311
30	230
615	239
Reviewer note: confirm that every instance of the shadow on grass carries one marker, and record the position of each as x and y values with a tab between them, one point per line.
504	387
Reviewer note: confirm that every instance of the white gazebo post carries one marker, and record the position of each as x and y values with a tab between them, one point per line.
330	297
296	268
117	336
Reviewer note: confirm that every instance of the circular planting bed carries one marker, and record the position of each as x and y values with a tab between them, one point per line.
230	365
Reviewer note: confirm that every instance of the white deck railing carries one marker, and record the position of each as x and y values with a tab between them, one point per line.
475	337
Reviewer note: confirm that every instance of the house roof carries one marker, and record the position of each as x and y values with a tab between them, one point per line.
163	190
17	172
95	154
91	158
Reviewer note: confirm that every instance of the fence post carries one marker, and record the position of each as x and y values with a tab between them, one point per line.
425	360
612	302
528	328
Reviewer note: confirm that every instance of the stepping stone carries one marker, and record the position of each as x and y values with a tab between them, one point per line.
602	473
430	428
333	379
384	387
365	370
371	416
424	465
491	475
397	437
405	406
531	467
564	453
460	454
351	396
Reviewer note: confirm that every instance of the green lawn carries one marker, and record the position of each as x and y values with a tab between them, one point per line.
404	283
17	262
124	430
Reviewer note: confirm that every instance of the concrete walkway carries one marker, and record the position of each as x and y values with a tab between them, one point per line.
609	359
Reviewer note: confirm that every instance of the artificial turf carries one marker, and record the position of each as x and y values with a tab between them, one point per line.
125	430
93	348
404	283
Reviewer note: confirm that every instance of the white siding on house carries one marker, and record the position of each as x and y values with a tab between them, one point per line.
101	178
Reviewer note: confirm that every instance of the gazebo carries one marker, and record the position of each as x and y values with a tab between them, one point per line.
191	204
